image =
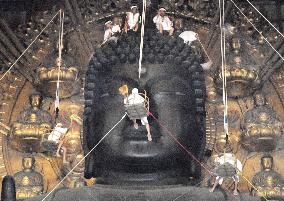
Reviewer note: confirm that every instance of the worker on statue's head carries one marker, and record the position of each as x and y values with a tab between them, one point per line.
163	22
111	31
132	19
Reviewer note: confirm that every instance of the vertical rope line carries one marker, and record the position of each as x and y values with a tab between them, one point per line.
60	48
223	66
226	123
142	37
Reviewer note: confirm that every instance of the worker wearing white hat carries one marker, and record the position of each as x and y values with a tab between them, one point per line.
110	31
163	22
132	19
135	98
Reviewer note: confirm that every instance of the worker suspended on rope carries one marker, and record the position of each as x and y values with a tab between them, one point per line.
56	137
132	20
227	166
136	107
163	22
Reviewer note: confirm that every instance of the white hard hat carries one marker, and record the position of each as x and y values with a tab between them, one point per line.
135	91
133	7
108	22
162	9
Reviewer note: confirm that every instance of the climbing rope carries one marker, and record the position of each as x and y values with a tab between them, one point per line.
57	185
223	67
142	36
10	68
60	48
204	50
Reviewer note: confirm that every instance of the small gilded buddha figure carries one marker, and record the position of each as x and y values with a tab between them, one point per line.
261	128
268	182
32	124
29	183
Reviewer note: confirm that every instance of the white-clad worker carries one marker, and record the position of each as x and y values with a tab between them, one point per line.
135	98
227	166
110	31
163	22
132	19
56	136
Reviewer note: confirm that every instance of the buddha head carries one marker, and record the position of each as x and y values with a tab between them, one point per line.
28	162
267	162
35	100
259	99
174	82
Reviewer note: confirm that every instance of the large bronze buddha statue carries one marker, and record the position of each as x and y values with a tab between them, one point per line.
29	183
174	82
261	127
32	124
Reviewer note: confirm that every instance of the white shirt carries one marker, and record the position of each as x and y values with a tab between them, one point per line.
116	29
132	19
164	21
134	99
57	133
109	32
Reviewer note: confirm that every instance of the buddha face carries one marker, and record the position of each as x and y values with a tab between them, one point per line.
126	155
28	162
259	99
35	100
267	163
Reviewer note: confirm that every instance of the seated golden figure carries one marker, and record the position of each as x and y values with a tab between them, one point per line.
242	68
29	183
268	182
261	128
32	124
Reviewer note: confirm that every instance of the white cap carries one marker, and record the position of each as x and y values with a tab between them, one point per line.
108	22
162	9
133	7
59	125
135	91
